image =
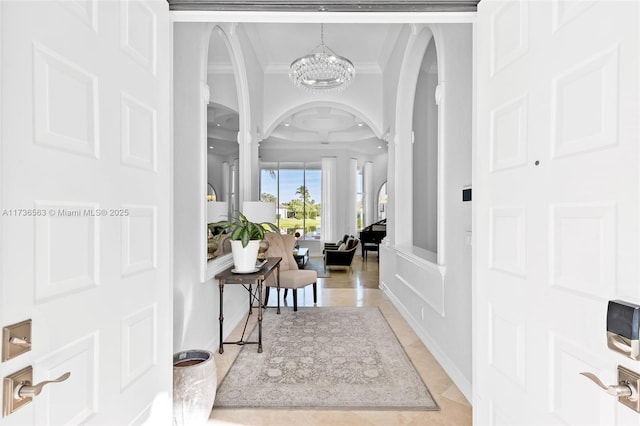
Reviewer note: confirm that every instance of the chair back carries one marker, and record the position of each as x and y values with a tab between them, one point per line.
282	246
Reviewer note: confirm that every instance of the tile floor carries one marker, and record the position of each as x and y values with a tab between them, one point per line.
359	288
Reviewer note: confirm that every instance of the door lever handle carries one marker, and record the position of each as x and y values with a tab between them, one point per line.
621	390
26	390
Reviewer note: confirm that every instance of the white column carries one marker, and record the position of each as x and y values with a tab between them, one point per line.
368	196
329	207
352	190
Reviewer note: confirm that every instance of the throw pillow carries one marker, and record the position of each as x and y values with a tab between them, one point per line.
342	247
350	243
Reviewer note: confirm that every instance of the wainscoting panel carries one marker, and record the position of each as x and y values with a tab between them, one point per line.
411	286
66	257
426	283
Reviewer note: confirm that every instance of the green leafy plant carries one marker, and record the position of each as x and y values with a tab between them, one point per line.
240	228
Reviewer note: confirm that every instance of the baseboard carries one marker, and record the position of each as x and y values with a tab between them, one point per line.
445	362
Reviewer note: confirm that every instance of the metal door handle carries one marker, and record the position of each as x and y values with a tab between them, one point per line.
20	342
26	390
621	390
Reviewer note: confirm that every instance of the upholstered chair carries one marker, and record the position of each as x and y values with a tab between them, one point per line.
290	276
343	256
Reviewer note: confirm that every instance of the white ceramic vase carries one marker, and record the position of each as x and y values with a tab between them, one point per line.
194	387
244	258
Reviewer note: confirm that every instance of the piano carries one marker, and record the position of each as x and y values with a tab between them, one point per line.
371	237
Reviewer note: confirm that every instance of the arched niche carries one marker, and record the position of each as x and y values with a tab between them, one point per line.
227	119
404	215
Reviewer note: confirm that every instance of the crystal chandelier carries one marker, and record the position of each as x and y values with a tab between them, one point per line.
322	70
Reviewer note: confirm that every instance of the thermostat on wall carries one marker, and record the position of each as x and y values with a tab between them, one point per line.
466	194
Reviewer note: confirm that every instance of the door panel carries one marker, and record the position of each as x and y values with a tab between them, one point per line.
86	205
557	177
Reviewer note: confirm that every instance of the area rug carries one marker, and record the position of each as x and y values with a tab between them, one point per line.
317	264
325	358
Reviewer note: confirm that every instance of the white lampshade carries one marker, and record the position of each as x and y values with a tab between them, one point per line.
217	211
259	211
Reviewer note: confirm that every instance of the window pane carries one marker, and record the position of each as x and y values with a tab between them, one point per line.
296	188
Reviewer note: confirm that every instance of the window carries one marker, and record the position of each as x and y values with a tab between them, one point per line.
296	188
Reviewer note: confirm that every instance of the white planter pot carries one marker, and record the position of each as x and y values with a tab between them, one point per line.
244	258
194	387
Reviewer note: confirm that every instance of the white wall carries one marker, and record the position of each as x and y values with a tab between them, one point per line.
436	299
195	303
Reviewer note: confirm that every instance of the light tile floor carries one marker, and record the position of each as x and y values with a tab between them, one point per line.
355	289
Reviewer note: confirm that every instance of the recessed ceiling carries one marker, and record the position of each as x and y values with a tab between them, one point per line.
367	45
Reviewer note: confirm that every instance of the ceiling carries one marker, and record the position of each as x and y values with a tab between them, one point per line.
368	46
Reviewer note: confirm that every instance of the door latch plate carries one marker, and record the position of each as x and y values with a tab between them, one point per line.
631	379
11	382
21	332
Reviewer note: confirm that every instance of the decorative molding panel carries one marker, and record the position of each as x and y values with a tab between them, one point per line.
75	399
139	239
582	255
566	10
139	33
509	135
584	113
138	133
65	104
508	241
139	344
506	49
566	362
66	249
426	283
507	345
85	10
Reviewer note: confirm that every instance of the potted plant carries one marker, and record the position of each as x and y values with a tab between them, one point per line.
245	239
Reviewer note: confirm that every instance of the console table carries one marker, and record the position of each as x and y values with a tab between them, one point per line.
247	280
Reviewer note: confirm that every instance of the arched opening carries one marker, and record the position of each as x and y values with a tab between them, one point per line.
425	155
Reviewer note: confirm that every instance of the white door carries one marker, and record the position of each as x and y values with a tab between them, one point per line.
556	201
86	201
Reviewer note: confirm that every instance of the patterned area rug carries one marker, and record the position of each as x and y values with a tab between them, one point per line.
333	358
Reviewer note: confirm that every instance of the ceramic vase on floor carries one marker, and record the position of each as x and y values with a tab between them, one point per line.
194	387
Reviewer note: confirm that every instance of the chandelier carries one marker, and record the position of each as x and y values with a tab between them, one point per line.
322	70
